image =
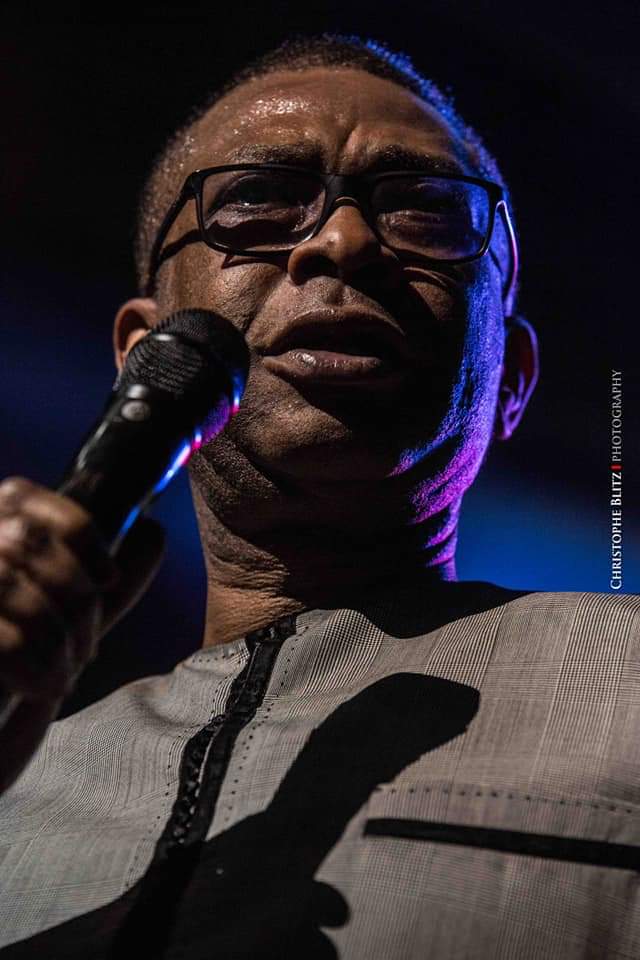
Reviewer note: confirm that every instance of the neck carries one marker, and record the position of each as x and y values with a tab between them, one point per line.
253	580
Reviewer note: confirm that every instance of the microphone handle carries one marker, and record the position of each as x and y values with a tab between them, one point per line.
8	703
129	456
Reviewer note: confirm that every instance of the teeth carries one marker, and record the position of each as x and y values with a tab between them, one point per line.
307	358
338	344
344	346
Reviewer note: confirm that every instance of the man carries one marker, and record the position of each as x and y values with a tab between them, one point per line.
367	758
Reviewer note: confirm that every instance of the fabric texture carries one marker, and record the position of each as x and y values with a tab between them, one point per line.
448	770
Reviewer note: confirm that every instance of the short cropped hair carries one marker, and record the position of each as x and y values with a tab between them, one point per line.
296	54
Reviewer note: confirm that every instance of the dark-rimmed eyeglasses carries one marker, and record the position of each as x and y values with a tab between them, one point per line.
268	209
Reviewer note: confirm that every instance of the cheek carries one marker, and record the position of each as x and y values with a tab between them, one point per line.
482	353
468	337
234	289
462	316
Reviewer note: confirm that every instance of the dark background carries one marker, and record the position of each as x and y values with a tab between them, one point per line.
555	90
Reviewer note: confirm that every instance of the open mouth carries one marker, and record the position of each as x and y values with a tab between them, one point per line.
307	363
341	353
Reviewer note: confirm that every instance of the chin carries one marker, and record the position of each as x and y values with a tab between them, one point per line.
335	435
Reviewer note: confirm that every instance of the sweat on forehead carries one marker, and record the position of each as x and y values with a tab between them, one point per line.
326	116
187	149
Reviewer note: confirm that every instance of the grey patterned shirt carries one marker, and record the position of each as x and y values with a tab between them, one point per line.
446	771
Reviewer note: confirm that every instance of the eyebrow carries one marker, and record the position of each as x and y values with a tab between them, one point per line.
303	153
395	157
309	154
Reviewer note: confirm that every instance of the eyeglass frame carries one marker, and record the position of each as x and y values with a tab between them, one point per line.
339	189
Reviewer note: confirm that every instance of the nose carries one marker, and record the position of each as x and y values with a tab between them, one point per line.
345	246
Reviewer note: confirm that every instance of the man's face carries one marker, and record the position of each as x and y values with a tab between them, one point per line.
433	423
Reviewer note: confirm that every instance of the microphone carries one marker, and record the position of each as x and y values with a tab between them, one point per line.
179	387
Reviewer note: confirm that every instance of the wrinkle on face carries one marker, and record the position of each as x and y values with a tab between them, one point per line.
349	119
345	127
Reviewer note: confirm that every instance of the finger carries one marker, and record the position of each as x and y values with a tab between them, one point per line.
29	545
49	563
36	656
61	516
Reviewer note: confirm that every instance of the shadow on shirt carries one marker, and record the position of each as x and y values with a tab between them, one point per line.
250	891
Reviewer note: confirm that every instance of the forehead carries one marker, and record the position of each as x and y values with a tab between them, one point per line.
343	119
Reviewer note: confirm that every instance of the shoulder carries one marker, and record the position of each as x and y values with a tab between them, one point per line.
584	604
477	608
132	731
106	738
484	595
582	620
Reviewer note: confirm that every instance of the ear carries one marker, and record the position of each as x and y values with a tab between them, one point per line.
519	376
134	320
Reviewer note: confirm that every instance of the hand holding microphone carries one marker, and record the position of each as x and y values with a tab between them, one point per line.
72	562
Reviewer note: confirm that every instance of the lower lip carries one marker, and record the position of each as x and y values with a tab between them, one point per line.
324	366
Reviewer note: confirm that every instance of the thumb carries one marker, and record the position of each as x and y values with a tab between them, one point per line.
137	560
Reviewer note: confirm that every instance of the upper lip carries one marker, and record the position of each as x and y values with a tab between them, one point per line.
331	328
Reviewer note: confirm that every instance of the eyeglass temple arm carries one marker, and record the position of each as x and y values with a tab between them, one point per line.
509	287
163	230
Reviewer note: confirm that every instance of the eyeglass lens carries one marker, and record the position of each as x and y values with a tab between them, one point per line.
269	210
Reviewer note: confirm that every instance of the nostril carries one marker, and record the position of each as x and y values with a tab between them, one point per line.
313	266
376	278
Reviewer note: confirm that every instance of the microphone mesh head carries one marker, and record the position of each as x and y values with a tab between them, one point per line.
194	355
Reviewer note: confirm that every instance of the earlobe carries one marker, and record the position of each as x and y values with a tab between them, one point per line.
134	320
519	376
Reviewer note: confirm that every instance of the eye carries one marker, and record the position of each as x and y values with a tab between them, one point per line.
270	190
257	191
260	209
436	216
422	198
